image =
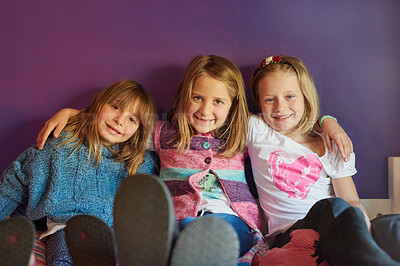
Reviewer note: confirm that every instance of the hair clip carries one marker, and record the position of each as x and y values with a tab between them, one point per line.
270	59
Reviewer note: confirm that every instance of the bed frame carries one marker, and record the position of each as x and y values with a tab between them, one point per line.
375	207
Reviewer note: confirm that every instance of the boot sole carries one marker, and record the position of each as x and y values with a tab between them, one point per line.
17	235
206	241
90	241
144	221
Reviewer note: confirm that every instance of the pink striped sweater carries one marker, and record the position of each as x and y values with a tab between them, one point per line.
180	171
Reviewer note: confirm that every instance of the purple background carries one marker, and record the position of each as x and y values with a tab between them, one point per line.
56	54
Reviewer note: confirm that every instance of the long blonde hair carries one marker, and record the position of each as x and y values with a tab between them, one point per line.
234	129
82	128
295	66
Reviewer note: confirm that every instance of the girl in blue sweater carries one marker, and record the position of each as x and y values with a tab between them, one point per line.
79	172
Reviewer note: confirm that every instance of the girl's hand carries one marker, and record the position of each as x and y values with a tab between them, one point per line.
334	132
57	123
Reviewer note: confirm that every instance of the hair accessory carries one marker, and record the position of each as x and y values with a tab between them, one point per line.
271	59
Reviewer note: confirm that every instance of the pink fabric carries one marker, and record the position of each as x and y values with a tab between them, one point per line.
294	178
259	246
185	205
189	162
297	252
182	171
39	250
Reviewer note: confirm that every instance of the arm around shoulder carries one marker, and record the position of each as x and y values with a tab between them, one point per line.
57	123
333	132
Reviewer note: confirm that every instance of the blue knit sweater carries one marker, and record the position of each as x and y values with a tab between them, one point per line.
52	183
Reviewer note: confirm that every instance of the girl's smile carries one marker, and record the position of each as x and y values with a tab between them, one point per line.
281	101
201	120
209	104
113	130
282	117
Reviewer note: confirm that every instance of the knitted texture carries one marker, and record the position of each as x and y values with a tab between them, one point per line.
59	184
181	171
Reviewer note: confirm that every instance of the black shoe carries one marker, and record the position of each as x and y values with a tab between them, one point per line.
144	221
207	240
90	241
386	231
17	235
349	242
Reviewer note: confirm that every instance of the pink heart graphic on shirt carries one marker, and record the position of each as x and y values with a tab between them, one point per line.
295	177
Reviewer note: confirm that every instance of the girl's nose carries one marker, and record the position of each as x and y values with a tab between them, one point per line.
280	105
205	109
117	120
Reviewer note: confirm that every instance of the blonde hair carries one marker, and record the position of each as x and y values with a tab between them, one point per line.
234	129
295	66
82	128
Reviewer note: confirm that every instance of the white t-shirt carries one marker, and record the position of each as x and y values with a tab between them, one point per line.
290	178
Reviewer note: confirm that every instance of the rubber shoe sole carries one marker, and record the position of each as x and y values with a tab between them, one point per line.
90	241
16	240
206	241
144	221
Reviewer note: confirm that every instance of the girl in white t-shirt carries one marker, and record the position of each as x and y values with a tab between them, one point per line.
294	172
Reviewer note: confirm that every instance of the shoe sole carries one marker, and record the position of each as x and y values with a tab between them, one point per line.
90	241
17	235
206	241
144	221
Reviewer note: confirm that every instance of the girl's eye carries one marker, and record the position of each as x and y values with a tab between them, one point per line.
197	98
115	107
218	102
132	120
290	96
269	100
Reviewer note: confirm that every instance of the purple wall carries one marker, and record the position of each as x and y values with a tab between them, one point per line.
56	54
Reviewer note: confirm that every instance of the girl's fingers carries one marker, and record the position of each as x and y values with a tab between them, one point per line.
345	148
45	133
328	142
342	150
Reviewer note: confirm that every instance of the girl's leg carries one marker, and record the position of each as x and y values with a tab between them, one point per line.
347	241
318	218
385	230
185	222
242	229
57	253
